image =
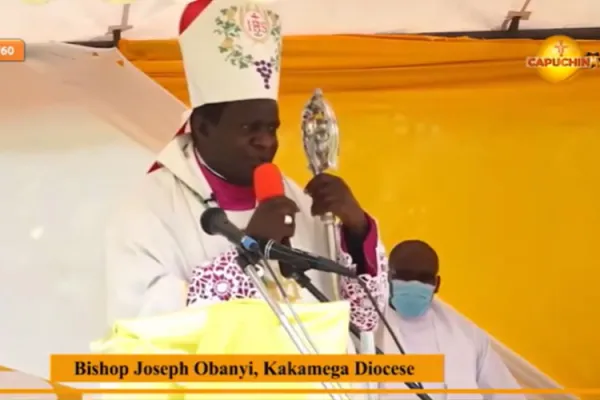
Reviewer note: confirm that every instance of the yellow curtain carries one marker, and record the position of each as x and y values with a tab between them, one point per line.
455	142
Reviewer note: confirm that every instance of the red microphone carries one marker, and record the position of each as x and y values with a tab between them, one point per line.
268	182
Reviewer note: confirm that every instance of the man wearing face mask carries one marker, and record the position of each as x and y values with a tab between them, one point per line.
425	325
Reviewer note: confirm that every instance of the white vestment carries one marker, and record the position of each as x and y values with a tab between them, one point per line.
157	249
470	361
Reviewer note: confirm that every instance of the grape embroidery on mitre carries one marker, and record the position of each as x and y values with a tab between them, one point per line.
260	26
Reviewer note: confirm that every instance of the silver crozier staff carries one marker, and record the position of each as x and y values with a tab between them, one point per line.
321	139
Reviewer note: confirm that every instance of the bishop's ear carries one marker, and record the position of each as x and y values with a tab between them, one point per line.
438	282
205	119
198	123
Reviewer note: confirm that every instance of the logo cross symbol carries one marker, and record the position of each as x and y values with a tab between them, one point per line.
560	46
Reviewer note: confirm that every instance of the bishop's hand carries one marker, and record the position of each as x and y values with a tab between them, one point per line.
331	194
273	219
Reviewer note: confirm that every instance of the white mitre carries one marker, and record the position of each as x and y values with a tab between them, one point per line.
231	50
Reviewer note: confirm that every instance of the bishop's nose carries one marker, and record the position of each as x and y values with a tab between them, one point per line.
264	141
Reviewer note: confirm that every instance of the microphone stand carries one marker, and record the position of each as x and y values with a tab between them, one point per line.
249	263
305	282
298	274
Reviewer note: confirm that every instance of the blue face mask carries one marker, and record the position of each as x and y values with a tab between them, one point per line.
411	299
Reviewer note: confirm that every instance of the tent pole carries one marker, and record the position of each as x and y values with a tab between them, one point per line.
513	18
589	33
116	37
117	30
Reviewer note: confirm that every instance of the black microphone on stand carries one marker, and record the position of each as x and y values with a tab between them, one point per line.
214	221
283	252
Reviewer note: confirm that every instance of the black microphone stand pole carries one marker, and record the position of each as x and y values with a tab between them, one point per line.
298	274
304	281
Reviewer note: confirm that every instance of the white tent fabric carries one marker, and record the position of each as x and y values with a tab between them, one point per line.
68	20
69	74
78	132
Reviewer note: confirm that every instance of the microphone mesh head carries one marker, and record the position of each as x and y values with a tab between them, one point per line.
210	218
268	182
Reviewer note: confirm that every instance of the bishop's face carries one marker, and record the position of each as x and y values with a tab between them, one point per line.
244	138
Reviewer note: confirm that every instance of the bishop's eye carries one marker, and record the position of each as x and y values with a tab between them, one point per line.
258	127
251	127
272	128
